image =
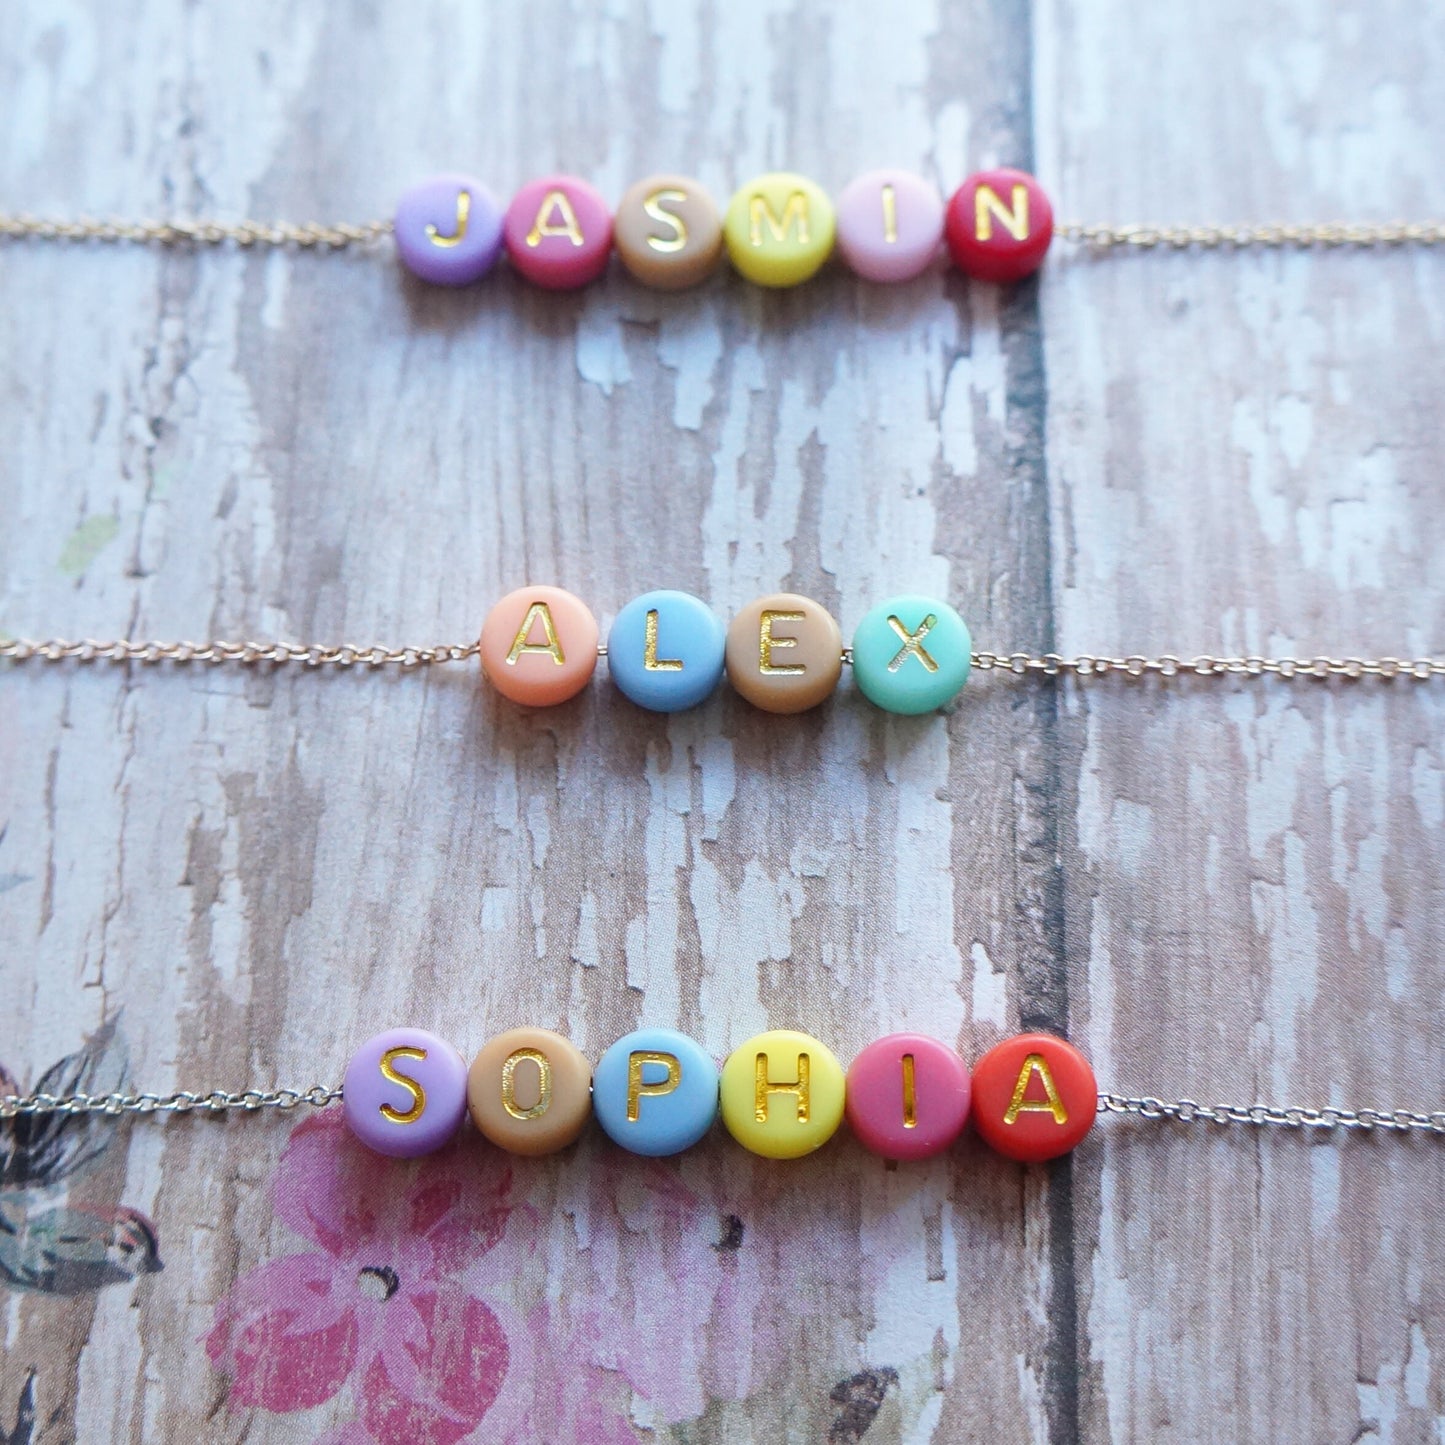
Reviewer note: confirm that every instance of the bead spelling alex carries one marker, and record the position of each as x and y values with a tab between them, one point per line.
778	230
656	1092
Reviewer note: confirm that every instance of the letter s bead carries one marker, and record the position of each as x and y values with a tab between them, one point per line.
405	1092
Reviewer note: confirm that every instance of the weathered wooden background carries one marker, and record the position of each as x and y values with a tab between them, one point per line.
1227	891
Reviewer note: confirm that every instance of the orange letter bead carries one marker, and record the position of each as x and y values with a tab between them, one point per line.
530	1091
539	646
1034	1097
784	653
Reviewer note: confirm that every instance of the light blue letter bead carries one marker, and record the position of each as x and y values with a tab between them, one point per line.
911	654
655	1092
665	651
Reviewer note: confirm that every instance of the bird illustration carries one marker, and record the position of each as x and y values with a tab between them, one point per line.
71	1250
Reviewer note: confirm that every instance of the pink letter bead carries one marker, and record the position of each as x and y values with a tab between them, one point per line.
999	225
890	225
907	1096
448	230
405	1092
558	232
539	646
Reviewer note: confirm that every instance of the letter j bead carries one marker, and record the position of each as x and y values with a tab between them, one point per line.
448	230
405	1092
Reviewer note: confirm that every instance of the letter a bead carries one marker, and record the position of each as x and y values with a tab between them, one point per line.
999	224
779	229
558	232
404	1093
907	1096
890	225
665	651
782	1094
1034	1097
529	1091
911	655
448	230
655	1092
539	646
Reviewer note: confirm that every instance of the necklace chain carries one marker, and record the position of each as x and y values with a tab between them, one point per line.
336	236
377	655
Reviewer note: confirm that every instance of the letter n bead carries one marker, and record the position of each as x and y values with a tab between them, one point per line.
999	224
911	655
782	1094
655	1092
404	1093
1034	1097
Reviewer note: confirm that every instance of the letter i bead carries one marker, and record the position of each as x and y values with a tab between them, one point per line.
405	1092
782	1094
890	225
655	1092
1034	1097
908	1096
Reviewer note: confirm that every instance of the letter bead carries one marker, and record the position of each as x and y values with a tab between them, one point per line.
539	646
911	655
890	225
784	653
1034	1097
529	1091
667	232
907	1096
779	229
448	230
665	651
999	224
558	232
655	1092
782	1094
404	1093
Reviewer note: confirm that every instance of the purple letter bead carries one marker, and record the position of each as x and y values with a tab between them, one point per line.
405	1092
890	225
448	230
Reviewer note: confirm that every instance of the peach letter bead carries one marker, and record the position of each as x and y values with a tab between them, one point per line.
539	646
530	1091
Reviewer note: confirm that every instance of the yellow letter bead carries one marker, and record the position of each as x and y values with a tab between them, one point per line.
782	1094
779	229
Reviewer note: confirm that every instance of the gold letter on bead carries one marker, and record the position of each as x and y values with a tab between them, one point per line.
913	643
418	1094
637	1091
890	215
552	647
796	211
910	1094
509	1084
1036	1064
653	207
987	207
464	211
767	642
555	201
650	660
763	1086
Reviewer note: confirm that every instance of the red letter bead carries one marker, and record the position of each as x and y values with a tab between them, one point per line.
907	1096
558	232
999	225
1034	1097
539	646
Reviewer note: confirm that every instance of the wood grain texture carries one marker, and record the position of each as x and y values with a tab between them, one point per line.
1221	891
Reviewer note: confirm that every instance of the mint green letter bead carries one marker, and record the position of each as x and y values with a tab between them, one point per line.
911	655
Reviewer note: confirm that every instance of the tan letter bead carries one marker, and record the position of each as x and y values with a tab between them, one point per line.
530	1091
668	232
784	653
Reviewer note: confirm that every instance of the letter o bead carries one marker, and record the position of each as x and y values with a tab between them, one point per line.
782	1094
907	1096
784	653
890	225
667	232
999	224
655	1092
539	646
665	651
779	229
529	1091
448	230
911	655
404	1093
558	232
1034	1097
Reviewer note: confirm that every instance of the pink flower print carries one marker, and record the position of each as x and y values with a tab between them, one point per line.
375	1303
